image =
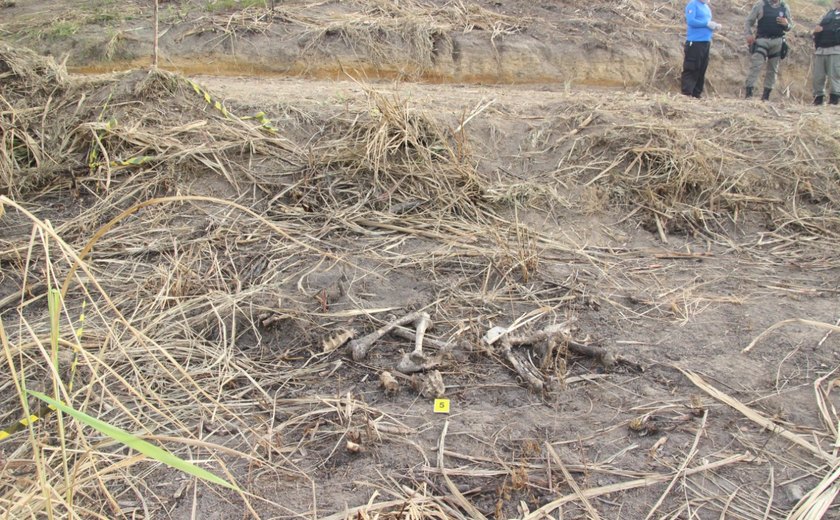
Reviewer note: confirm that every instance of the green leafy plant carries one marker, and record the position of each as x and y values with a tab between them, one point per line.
135	443
54	302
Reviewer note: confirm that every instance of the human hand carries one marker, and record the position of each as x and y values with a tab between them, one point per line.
781	20
818	29
750	40
714	26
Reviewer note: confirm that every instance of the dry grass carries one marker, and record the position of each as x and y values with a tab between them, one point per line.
383	159
208	270
705	171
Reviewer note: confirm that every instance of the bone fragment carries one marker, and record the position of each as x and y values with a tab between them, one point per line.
388	383
429	386
337	339
420	325
359	347
409	334
534	381
563	330
410	365
601	354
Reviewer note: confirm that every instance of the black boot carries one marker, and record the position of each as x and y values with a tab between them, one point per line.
766	95
749	93
819	100
834	99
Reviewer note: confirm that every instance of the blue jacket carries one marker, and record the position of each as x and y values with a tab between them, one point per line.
697	17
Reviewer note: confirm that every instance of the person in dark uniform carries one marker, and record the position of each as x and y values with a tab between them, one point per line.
827	57
698	41
766	26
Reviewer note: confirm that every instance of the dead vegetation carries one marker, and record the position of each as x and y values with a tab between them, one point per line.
230	266
686	172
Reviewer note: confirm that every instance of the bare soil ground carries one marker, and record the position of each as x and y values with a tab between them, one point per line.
664	270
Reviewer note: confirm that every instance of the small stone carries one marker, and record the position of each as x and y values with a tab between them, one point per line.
795	492
648	391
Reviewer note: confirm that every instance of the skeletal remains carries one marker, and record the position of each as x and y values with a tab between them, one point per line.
548	346
412	362
359	347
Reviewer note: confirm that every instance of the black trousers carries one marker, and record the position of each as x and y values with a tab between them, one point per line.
695	63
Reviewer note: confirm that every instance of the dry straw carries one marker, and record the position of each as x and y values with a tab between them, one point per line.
213	256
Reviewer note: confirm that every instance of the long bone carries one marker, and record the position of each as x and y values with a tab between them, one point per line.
359	348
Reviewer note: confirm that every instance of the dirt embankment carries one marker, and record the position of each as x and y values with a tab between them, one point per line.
631	44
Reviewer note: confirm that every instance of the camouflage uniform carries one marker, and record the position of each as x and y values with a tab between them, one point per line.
827	58
769	40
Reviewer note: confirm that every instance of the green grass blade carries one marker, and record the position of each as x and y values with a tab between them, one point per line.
135	443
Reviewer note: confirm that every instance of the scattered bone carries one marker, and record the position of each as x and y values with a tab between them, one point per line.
562	332
602	355
653	452
409	334
560	329
380	427
267	320
408	365
653	424
526	371
493	335
388	383
416	360
605	357
435	381
546	343
546	340
338	339
411	365
354	441
554	357
420	325
429	385
359	347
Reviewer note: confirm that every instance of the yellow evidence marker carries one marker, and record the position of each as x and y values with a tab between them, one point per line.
441	405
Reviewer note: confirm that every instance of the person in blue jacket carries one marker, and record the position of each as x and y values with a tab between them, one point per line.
698	41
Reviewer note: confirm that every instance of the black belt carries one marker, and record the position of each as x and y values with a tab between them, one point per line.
771	37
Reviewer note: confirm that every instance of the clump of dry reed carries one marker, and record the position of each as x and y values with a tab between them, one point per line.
30	86
710	170
78	131
392	157
25	73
